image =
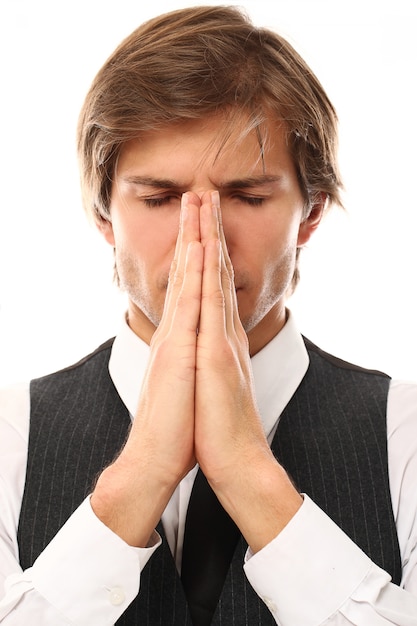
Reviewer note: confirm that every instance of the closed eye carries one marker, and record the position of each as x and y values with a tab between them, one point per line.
154	202
250	200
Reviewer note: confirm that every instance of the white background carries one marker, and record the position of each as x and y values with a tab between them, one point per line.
357	296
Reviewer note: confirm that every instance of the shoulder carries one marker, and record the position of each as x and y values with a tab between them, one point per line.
318	355
74	390
335	382
97	359
101	353
15	399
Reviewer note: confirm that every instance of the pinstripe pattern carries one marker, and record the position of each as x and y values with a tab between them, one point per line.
331	438
67	448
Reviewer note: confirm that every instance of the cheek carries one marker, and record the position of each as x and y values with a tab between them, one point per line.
159	238
148	235
274	242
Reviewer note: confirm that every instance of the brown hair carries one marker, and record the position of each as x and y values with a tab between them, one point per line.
198	61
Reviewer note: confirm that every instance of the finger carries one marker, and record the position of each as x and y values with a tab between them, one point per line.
209	218
228	278
212	315
228	288
227	272
211	229
186	314
189	231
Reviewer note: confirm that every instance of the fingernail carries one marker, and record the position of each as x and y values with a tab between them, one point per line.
184	205
215	199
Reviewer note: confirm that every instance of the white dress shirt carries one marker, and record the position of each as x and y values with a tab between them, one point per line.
310	574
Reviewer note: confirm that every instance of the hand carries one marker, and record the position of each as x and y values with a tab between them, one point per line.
230	444
132	493
164	423
227	419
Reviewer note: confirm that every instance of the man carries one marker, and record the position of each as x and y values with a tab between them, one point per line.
208	155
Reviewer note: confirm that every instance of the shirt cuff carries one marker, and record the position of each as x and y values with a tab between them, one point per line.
309	570
89	573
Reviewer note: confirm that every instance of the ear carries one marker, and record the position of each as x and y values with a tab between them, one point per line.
106	229
311	223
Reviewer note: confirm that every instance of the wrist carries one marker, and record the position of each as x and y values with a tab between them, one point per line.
261	499
130	503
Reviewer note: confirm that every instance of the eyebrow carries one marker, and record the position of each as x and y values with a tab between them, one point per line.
149	181
238	183
250	181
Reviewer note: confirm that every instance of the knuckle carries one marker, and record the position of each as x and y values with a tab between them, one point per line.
215	298
187	302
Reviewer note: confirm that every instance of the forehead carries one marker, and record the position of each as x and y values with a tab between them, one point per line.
216	145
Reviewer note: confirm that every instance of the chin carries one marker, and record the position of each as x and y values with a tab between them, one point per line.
248	320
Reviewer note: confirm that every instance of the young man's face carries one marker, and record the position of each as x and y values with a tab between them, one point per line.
262	210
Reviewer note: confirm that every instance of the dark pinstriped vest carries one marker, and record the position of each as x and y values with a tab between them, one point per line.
331	439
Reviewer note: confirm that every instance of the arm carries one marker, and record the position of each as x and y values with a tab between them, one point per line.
113	536
313	574
303	566
230	444
85	558
132	493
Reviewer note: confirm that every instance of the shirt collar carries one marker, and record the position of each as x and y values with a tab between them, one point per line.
127	365
277	370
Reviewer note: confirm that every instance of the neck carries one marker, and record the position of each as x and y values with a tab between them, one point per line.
269	326
140	323
258	337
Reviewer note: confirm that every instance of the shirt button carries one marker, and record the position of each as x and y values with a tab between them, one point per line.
270	604
117	596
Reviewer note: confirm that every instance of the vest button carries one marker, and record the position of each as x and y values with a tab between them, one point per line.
117	596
